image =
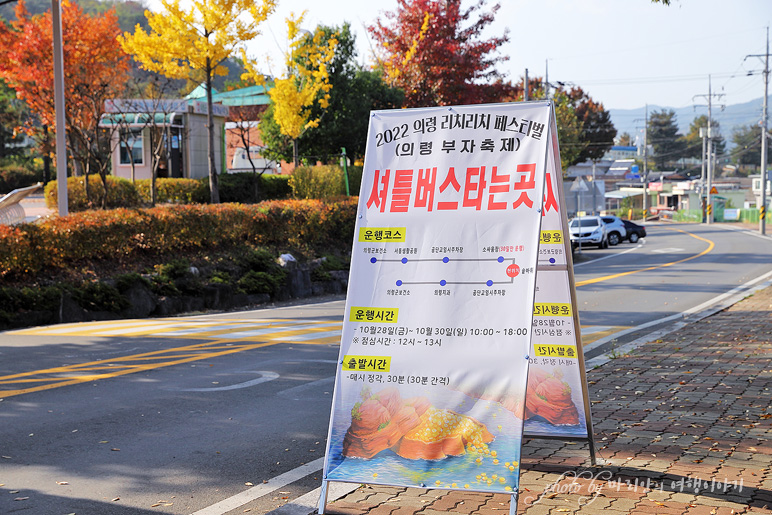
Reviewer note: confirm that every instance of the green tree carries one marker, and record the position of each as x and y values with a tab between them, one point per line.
12	115
306	83
570	137
693	142
664	137
355	92
626	140
747	146
585	130
598	132
197	36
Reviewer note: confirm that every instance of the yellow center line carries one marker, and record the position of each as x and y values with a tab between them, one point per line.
128	369
622	274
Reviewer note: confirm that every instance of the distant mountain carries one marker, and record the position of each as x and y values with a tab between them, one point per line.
729	118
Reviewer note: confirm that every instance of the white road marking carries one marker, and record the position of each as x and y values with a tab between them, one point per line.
609	256
266	376
276	329
296	392
273	484
308	336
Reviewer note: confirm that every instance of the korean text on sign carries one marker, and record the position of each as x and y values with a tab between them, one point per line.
376	315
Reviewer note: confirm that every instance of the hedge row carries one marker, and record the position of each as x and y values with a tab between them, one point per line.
13	177
309	226
240	187
328	181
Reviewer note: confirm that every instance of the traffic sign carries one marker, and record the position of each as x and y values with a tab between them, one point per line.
579	186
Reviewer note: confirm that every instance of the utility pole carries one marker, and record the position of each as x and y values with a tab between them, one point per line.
525	87
710	171
645	163
546	79
763	206
594	189
61	144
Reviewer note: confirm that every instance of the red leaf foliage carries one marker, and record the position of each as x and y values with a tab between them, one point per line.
430	50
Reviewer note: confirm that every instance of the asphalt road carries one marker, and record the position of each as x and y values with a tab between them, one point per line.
194	414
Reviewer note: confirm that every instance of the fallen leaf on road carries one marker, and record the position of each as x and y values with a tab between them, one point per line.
21	498
115	449
116	499
248	484
62	483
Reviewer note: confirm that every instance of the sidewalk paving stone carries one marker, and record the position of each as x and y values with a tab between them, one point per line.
683	425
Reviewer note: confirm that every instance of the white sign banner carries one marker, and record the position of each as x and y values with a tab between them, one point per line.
430	390
556	398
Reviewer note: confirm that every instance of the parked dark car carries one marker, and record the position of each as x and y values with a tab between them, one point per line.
634	231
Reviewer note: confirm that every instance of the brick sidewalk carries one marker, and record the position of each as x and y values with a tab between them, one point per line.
683	424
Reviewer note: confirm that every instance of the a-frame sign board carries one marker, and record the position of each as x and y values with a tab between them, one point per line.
438	338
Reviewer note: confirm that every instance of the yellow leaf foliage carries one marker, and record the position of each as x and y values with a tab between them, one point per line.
393	71
307	79
196	35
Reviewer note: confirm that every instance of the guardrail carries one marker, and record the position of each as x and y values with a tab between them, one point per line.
11	212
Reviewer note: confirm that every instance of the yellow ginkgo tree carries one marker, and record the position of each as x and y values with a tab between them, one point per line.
197	36
306	83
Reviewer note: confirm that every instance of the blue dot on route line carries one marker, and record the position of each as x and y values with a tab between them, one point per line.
501	259
445	259
489	282
552	260
399	283
443	282
404	260
373	260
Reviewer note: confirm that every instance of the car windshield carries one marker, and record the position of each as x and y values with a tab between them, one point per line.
589	222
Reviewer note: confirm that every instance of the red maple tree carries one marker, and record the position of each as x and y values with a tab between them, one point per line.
428	50
95	69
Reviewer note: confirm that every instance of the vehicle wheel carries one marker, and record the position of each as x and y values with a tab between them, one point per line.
633	237
613	238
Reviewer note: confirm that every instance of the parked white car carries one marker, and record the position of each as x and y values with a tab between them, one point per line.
615	228
587	231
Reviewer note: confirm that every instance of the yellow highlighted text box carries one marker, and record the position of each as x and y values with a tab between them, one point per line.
555	351
367	363
551	237
552	309
376	234
374	315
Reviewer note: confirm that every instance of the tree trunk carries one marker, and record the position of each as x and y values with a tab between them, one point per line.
214	191
295	156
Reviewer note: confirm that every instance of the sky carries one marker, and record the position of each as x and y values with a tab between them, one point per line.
623	53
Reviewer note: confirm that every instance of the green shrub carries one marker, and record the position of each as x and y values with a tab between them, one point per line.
174	191
125	281
355	179
275	187
259	260
261	282
174	269
99	296
13	177
120	193
317	182
220	277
